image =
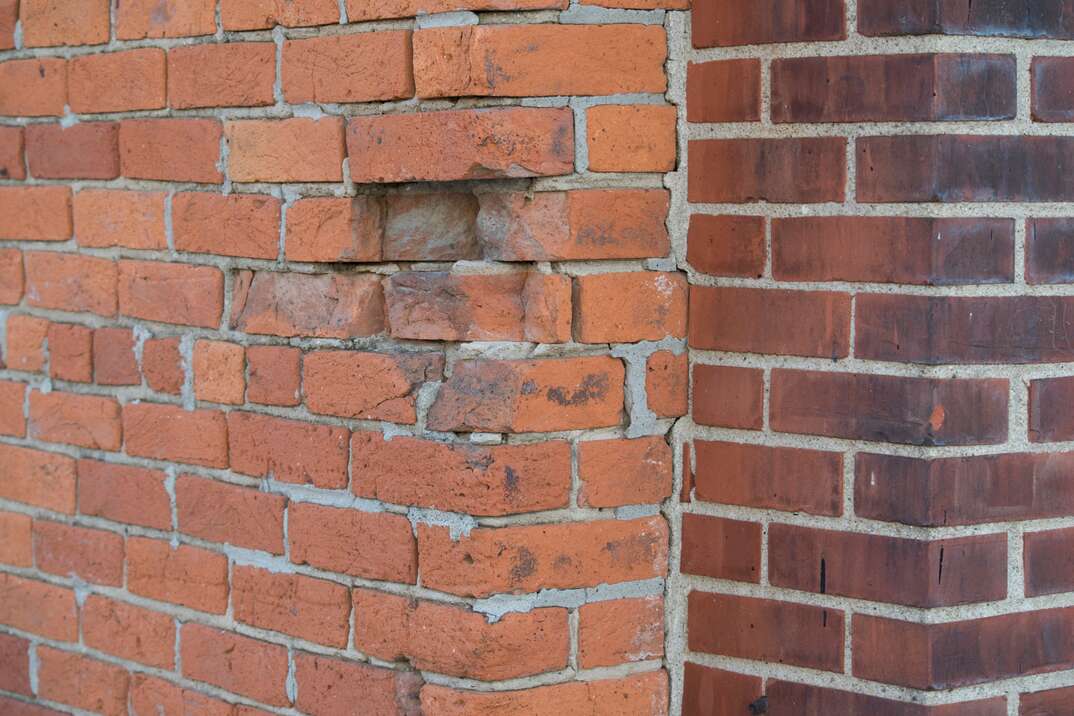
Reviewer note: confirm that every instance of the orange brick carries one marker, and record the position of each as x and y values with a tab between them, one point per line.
235	663
220	512
620	632
533	557
70	350
38	608
137	19
288	450
150	696
171	293
167	432
33	88
185	150
296	304
478	480
26	337
79	681
312	609
367	67
35	213
38	478
129	632
64	22
85	420
329	686
14	664
286	150
69	282
371	545
370	386
16	540
12	153
114	362
9	16
239	74
360	10
464	144
631	138
190	576
132	219
123	493
452	640
93	555
88	150
11	276
530	396
219	372
335	229
12	418
162	366
117	81
265	14
235	225
667	383
630	307
624	472
539	60
275	375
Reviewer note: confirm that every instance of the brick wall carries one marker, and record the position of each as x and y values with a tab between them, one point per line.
342	346
878	515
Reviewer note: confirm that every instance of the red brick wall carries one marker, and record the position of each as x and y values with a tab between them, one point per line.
342	344
877	519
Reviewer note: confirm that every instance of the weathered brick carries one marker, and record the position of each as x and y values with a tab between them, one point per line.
781	171
286	150
539	60
26	336
529	558
117	81
124	493
11	276
87	150
728	396
220	512
35	213
371	545
93	555
366	67
128	631
463	144
719	23
775	478
530	396
12	153
706	689
727	245
614	473
14	665
235	225
64	22
9	16
252	668
83	682
893	88
479	480
104	218
939	252
631	138
190	576
967	17
171	293
360	10
620	631
239	74
913	411
452	640
70	349
630	307
114	362
312	609
219	372
723	91
137	19
288	450
335	229
88	421
327	686
275	374
370	386
517	306
766	630
12	419
264	14
167	432
69	282
162	365
150	696
39	608
186	150
38	478
720	548
16	543
33	87
1049	415
667	383
22	708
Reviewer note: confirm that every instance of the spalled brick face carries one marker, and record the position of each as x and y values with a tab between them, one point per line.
336	336
880	250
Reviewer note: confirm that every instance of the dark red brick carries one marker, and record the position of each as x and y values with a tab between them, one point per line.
1050	417
1049	562
1050	251
726	245
707	691
729	397
1030	18
723	91
789	699
722	549
781	171
720	23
